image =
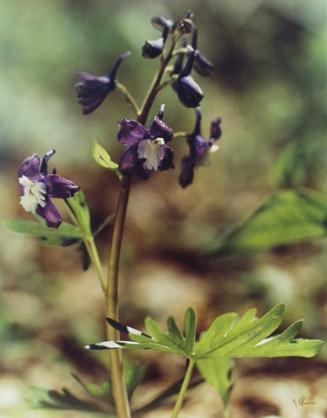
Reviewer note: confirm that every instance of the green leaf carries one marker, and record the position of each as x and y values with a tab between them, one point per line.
285	218
102	157
80	211
63	236
61	400
228	337
247	337
217	372
190	330
174	332
133	375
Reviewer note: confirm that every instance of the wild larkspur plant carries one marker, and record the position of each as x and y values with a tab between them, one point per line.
148	148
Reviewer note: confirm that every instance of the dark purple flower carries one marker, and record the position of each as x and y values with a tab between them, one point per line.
198	148
152	49
147	148
91	90
37	187
188	91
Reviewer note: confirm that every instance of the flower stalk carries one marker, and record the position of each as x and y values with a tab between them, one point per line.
112	305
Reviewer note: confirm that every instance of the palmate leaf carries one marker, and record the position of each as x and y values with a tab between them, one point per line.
63	236
228	337
285	218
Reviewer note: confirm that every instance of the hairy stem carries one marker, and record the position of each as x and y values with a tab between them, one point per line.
182	392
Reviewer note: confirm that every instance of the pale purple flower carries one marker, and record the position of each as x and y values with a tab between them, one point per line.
37	187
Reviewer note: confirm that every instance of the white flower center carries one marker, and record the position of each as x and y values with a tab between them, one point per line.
152	151
33	194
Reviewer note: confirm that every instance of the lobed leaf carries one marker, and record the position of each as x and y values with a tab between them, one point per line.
247	337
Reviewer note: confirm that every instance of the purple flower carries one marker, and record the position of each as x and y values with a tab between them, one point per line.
91	90
198	148
37	187
147	148
188	91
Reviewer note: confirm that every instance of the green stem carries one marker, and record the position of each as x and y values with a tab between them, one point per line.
91	248
129	97
182	392
94	255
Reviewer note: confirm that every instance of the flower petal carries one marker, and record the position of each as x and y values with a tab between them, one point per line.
44	162
30	167
215	130
200	145
187	172
92	90
131	132
167	161
129	160
159	129
60	187
50	214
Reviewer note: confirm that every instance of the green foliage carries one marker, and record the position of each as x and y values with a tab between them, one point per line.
133	375
231	336
285	218
61	400
64	236
102	157
227	338
97	397
217	372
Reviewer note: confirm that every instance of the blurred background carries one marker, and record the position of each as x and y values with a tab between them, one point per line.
269	88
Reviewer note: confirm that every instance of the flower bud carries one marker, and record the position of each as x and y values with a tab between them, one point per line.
152	49
188	91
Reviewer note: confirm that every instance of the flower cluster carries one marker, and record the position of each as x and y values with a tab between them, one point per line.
37	187
149	149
